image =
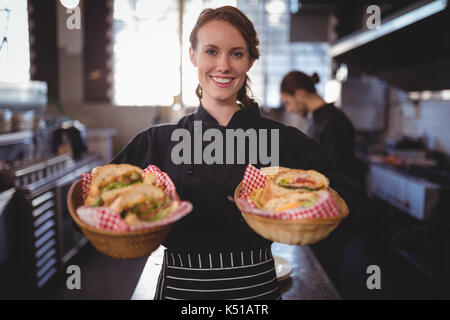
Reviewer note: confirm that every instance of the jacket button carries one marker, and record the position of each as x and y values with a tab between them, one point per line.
190	172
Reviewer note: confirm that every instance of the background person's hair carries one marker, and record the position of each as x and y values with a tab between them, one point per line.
299	80
237	19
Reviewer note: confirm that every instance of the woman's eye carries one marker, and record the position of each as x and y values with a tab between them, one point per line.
237	54
210	51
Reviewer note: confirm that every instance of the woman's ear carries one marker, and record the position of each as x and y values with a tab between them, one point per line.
192	56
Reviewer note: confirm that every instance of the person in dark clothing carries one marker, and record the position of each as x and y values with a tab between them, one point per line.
335	132
330	126
235	262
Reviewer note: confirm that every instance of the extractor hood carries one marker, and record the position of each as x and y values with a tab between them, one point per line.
410	50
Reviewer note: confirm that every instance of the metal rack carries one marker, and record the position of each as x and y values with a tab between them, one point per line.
42	239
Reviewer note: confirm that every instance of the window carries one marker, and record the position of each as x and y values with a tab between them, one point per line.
278	54
14	43
146	50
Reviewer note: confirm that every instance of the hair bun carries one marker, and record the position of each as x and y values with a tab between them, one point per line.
315	78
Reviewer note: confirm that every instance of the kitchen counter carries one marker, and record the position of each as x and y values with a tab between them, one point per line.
423	171
308	280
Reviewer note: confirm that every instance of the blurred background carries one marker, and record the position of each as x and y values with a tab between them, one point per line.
79	79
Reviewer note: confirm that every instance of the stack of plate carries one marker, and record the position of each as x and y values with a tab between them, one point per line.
282	267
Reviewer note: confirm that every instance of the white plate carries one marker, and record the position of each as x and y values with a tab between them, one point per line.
282	267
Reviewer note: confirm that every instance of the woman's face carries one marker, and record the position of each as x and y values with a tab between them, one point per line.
222	58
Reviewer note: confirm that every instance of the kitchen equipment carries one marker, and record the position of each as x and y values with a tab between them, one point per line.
16	146
39	122
438	174
70	241
414	195
5	197
23	120
410	218
23	173
41	238
70	138
121	245
23	96
5	121
23	131
405	143
407	151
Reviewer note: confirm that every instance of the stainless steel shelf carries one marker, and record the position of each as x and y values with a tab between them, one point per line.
15	137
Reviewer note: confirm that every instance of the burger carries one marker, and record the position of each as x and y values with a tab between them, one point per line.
270	172
143	203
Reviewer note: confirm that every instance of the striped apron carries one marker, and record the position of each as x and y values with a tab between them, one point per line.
238	275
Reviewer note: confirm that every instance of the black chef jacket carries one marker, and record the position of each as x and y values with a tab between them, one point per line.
332	128
215	224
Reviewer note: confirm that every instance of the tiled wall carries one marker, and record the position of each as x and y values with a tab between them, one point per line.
430	119
433	120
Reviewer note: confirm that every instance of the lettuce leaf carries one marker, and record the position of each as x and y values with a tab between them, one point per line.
161	214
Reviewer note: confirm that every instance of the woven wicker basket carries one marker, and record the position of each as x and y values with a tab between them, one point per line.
121	245
297	232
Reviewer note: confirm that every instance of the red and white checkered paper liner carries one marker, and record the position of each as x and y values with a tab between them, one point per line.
325	206
104	218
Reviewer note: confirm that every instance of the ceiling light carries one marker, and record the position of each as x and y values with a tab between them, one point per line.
70	4
275	7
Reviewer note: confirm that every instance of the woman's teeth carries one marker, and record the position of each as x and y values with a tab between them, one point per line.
222	80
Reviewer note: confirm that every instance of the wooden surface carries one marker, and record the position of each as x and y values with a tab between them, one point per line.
308	280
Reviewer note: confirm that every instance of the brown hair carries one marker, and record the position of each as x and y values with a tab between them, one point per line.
239	20
299	80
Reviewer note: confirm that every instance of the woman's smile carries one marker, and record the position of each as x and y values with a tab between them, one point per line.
222	82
